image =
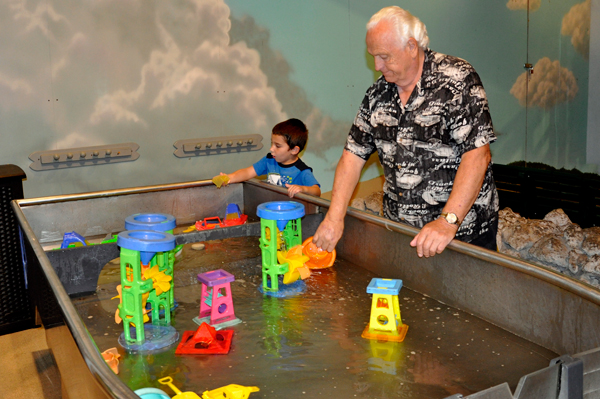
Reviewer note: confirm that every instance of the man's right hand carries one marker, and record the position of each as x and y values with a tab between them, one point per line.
347	174
328	234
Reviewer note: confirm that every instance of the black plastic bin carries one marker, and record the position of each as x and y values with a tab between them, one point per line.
16	310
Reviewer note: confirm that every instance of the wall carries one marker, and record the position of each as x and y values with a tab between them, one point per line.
593	139
80	73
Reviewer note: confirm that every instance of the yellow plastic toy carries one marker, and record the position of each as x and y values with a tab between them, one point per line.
231	391
296	264
161	282
180	395
145	296
190	229
280	242
386	322
220	180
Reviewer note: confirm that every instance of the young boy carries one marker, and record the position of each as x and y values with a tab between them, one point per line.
282	165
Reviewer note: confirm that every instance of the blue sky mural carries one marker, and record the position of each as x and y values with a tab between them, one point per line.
76	74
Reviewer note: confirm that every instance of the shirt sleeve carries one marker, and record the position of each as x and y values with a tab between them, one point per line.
308	179
260	167
360	139
471	123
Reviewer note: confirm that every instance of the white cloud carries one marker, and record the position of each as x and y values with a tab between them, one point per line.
115	107
224	79
522	4
75	140
39	18
111	68
15	85
576	23
550	85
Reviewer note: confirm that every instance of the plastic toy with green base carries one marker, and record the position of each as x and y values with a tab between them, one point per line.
158	222
138	256
280	230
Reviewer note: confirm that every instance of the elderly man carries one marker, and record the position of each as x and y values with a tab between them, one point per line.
428	119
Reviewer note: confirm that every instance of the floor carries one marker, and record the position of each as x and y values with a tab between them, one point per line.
28	367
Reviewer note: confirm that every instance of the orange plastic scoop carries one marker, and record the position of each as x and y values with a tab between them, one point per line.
318	259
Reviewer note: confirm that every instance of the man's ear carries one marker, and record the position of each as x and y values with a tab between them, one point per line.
295	150
412	45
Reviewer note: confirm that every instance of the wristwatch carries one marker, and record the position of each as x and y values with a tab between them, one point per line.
451	218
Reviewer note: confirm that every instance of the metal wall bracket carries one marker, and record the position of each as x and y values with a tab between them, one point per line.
84	156
217	145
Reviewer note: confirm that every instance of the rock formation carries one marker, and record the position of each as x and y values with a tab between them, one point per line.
554	242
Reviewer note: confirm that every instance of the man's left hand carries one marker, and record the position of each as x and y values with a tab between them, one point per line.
433	238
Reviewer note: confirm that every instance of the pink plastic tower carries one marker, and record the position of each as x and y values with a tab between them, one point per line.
216	302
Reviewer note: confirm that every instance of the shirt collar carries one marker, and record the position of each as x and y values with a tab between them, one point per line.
426	75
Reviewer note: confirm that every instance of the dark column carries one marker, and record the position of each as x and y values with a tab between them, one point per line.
16	310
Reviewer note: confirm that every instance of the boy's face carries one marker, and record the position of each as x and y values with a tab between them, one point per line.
281	151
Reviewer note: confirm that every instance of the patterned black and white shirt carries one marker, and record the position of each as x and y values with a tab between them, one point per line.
420	145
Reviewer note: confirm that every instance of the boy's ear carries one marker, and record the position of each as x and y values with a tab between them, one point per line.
295	150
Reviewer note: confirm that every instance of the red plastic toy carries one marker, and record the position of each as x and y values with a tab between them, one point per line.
209	223
235	222
206	340
233	217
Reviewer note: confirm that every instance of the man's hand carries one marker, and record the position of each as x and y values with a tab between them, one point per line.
328	234
434	237
347	174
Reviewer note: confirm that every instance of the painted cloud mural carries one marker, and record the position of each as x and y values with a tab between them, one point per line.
325	132
150	68
155	68
220	76
549	85
576	23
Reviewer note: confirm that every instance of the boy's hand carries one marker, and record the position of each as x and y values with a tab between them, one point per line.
221	180
294	189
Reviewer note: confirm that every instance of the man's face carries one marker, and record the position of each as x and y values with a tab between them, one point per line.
397	63
280	150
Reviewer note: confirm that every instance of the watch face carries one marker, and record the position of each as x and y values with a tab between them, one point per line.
451	218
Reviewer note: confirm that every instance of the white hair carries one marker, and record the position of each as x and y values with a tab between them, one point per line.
405	24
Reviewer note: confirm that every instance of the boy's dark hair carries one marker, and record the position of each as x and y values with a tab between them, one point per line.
294	131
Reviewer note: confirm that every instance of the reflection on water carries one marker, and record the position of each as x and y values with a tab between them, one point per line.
309	345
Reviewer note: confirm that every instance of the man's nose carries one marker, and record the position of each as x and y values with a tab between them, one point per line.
378	64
